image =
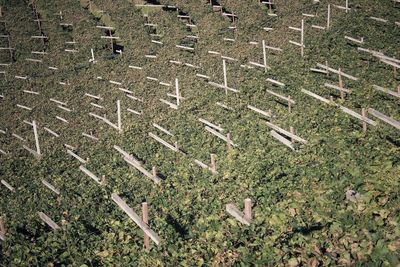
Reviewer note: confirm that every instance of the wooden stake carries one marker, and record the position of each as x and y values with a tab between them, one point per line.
177	92
364	114
145	216
302	37
119	115
247	209
213	167
228	140
347	6
35	132
225	79
264	55
328	23
341	84
292	132
111	40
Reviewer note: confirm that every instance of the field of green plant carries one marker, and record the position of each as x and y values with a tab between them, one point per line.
301	214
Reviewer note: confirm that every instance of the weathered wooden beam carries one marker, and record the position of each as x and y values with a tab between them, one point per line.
162	129
158	139
51	187
286	133
384	118
390	92
91	175
81	160
7	185
282	139
134	163
212	125
221	136
262	112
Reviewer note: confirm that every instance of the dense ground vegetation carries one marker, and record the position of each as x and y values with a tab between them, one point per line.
301	214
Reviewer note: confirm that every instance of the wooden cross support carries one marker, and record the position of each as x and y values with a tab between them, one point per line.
143	224
245	217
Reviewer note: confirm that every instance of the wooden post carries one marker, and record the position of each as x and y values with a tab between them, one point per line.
119	115
247	209
328	23
213	164
292	132
35	132
225	79
364	114
341	84
289	104
347	6
154	172
327	68
177	92
111	40
92	59
264	55
302	37
145	217
9	45
228	139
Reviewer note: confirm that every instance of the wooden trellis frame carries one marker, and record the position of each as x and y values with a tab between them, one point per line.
142	223
225	85
37	153
117	126
243	217
301	30
213	166
362	117
177	96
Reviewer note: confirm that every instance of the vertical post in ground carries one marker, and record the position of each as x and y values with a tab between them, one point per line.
145	214
247	208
